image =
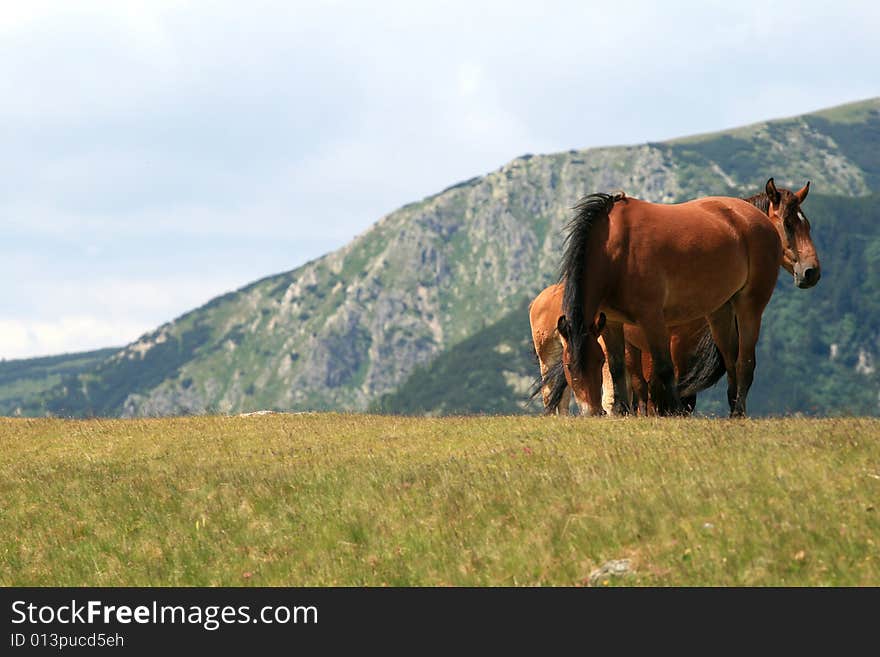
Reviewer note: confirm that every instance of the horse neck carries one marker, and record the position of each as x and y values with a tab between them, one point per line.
762	202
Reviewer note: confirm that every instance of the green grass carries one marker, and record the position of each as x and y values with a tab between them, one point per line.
369	500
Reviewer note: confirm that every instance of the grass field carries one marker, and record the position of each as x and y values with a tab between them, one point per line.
330	499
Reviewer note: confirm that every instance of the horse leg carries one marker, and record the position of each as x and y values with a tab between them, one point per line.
615	346
661	385
748	321
607	388
723	326
646	373
545	389
689	404
680	349
564	403
679	353
637	379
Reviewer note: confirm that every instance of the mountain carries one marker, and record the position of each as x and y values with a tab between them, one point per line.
490	372
350	328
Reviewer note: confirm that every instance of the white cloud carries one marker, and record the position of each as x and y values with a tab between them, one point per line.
29	338
174	149
89	314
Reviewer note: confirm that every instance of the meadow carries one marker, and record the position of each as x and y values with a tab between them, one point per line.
338	499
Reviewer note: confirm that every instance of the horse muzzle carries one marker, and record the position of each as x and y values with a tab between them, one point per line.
807	278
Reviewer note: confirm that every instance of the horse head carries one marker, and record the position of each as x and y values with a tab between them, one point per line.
584	379
799	252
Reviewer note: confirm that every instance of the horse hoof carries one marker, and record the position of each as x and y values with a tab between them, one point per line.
619	408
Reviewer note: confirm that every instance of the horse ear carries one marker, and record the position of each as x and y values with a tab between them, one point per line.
772	192
562	326
600	324
802	193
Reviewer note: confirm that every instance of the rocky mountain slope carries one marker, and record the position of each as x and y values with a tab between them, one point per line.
347	328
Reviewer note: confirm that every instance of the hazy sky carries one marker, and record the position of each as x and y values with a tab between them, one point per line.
156	154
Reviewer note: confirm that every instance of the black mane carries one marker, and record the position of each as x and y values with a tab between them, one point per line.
574	266
787	199
760	201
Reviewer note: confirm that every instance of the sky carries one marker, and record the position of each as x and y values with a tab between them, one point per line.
156	154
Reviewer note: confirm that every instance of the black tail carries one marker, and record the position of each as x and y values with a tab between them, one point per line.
706	366
555	378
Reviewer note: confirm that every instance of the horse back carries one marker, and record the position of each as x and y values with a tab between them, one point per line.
691	256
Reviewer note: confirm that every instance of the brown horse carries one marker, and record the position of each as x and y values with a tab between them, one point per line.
697	362
690	341
656	266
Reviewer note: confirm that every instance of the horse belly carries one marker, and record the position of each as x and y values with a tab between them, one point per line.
690	272
700	285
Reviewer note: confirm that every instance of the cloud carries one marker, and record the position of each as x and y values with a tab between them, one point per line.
156	142
29	338
90	313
